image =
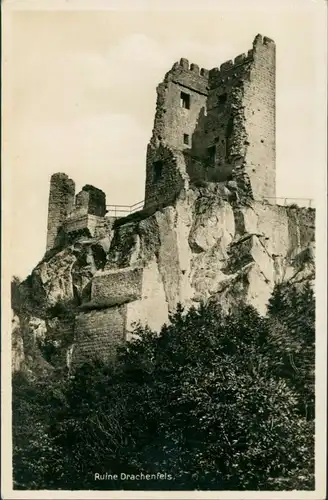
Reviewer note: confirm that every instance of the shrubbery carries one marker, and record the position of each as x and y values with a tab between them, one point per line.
218	402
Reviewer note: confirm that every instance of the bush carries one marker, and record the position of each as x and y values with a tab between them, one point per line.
34	449
213	401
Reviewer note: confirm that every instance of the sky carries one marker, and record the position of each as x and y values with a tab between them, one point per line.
82	92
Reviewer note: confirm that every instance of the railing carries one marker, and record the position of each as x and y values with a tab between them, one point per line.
301	202
118	211
123	210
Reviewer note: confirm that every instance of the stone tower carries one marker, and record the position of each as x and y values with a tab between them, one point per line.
215	125
61	203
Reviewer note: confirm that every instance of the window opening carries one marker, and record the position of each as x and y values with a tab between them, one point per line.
185	100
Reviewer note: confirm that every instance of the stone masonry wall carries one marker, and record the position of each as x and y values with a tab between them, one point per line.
172	120
260	119
114	287
67	214
226	130
84	224
96	200
166	175
98	333
174	124
203	247
81	203
120	299
61	203
213	140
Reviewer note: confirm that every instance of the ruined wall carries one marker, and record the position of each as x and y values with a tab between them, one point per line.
117	287
180	98
61	203
90	201
174	117
95	201
214	141
236	139
84	224
120	299
166	175
203	247
222	120
67	214
81	203
260	119
98	333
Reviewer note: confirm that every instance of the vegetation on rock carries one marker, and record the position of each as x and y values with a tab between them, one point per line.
216	401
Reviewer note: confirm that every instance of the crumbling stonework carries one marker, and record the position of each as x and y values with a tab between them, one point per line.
94	199
207	232
116	287
120	300
89	225
209	126
201	248
222	120
61	202
67	214
260	118
166	175
97	334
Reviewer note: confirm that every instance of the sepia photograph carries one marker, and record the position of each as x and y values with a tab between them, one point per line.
164	195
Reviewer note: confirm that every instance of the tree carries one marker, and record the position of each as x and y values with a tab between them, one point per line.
33	404
291	313
203	402
214	401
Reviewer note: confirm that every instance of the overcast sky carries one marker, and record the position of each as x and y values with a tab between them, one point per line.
83	97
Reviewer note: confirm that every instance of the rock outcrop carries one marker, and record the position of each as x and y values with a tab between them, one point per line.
206	246
17	344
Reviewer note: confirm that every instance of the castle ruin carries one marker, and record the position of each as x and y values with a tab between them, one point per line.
209	227
213	125
216	125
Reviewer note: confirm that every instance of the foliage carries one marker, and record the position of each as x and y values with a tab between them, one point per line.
15	295
24	299
62	309
292	341
20	295
60	336
33	404
214	400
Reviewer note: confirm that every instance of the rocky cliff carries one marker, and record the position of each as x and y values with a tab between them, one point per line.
84	298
